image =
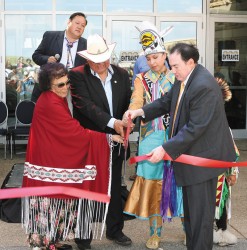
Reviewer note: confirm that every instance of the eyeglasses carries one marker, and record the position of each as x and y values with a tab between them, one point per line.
62	84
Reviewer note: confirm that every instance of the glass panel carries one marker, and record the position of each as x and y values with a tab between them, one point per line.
230	63
180	6
94	24
126	50
182	32
235	7
28	5
121	30
129	5
79	6
21	41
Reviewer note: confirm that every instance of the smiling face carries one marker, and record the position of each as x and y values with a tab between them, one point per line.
180	68
60	86
156	62
76	27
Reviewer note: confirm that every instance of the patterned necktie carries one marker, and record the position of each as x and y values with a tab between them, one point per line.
177	105
69	56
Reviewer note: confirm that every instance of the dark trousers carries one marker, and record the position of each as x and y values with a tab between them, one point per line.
221	223
199	211
114	218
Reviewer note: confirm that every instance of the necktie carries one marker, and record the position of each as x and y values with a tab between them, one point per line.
69	57
177	105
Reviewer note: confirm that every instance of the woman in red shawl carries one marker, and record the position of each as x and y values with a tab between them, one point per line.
61	152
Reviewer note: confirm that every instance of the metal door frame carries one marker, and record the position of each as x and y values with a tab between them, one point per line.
237	133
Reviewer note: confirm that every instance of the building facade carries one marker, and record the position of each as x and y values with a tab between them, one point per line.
217	27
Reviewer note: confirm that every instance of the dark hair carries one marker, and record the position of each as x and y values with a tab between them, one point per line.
48	72
187	51
78	14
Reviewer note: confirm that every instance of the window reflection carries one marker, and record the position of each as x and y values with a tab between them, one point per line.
231	37
182	32
179	6
228	6
122	30
127	50
21	41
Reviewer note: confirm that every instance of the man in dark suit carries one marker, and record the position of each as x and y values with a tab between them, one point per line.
200	128
101	94
61	46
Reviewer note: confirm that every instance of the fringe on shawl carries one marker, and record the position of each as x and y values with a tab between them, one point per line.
63	219
66	219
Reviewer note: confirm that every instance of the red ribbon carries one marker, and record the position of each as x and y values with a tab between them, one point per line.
51	190
195	161
127	133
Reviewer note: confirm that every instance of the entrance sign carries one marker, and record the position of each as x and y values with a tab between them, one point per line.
230	55
128	56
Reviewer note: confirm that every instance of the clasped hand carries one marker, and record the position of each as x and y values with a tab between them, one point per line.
132	114
156	154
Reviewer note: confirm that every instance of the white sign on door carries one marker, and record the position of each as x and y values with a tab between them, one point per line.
230	55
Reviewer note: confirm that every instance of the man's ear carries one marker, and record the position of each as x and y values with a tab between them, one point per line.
191	62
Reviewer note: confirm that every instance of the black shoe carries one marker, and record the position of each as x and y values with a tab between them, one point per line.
84	244
83	247
122	239
64	247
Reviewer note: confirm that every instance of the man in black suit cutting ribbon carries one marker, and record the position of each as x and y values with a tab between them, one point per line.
200	128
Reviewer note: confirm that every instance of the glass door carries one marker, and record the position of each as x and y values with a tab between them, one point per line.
184	29
230	63
121	29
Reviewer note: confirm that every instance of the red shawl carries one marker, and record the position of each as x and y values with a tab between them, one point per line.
57	141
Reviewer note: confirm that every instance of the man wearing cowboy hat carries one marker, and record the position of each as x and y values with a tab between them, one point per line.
101	94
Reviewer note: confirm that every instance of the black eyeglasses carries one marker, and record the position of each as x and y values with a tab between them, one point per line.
62	84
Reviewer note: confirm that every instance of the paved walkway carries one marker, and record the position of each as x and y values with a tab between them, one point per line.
12	236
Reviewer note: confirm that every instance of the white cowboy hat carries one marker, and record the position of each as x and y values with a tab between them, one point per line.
97	50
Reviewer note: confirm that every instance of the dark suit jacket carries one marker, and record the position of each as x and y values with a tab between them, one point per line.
89	99
201	127
52	44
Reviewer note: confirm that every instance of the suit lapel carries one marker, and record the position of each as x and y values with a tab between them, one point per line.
176	93
60	39
96	85
176	89
115	93
81	45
